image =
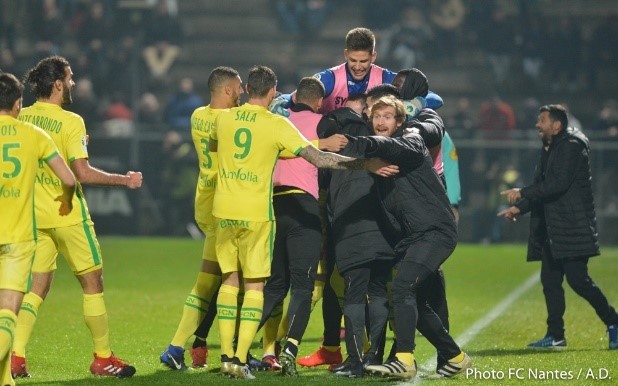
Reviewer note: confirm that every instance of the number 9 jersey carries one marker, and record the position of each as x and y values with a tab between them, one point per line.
249	140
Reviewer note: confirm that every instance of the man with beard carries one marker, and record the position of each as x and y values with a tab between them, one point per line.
419	213
72	235
24	147
563	226
225	88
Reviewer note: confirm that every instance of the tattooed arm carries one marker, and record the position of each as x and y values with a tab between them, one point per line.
327	160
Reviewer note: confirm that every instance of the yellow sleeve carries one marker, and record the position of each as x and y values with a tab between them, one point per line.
76	146
46	146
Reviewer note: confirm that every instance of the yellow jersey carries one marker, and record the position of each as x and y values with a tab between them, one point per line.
249	140
23	148
202	122
68	132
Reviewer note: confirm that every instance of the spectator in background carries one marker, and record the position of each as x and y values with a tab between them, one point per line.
603	51
10	12
501	176
48	29
118	117
179	176
607	120
302	18
409	38
497	41
528	113
149	109
86	103
122	55
287	71
496	118
163	38
533	48
94	43
564	55
380	18
182	104
446	17
462	119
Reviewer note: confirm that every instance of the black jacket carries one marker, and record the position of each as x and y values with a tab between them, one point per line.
415	200
560	200
352	202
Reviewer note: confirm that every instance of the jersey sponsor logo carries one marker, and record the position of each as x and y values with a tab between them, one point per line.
208	182
44	123
245	116
233	223
239	175
7	130
46	179
9	192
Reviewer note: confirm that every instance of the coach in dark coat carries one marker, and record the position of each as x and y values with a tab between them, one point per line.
563	229
416	204
363	254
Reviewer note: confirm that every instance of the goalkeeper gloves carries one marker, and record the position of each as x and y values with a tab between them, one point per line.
413	107
279	105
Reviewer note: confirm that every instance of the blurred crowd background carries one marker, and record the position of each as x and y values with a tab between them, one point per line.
141	68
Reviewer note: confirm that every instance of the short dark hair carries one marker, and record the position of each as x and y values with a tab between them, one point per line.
381	90
11	90
43	76
556	113
360	39
309	89
219	76
260	80
358	97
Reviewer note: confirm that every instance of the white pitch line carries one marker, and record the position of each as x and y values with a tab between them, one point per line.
483	322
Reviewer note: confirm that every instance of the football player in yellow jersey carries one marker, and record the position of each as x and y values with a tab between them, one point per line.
225	88
248	140
73	235
23	146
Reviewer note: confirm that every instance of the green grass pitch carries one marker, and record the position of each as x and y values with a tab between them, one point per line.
147	280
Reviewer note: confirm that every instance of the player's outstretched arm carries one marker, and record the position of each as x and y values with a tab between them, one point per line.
338	162
89	175
63	172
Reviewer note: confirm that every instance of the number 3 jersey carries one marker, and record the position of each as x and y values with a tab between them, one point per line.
249	140
202	122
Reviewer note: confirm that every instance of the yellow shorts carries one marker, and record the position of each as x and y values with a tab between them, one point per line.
78	244
209	253
245	246
15	263
206	221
